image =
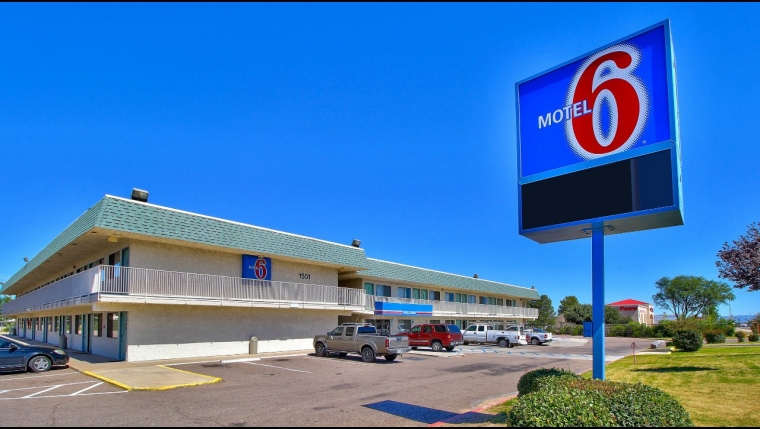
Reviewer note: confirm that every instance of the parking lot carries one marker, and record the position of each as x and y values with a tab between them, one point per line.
418	389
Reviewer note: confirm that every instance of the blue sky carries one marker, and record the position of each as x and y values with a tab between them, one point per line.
390	123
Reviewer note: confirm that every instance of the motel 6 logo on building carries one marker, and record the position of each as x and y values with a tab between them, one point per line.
602	104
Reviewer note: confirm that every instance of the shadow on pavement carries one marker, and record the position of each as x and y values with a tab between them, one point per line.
423	414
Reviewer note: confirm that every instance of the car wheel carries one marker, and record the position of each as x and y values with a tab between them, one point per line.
449	348
535	341
321	350
436	346
342	354
503	343
40	364
390	358
368	355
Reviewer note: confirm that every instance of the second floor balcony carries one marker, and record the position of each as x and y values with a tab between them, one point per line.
140	285
446	309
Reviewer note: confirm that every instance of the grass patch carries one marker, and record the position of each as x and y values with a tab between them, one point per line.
718	385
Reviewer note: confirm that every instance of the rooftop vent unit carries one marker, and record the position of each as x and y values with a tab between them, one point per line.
139	195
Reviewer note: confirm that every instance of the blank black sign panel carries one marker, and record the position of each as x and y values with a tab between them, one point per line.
633	185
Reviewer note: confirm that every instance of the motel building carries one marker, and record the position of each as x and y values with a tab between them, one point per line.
638	311
135	281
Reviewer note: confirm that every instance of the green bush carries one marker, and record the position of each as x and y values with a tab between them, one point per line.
753	337
577	330
565	401
688	340
740	336
532	380
715	336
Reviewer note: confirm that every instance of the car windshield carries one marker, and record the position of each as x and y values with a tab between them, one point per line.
454	329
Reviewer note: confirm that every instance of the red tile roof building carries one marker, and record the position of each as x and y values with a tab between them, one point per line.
638	311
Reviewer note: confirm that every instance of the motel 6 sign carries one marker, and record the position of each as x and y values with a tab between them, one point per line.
598	141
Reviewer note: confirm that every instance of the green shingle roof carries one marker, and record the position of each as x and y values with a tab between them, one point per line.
406	273
119	214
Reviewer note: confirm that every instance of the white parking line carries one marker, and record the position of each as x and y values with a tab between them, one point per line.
52	386
42	391
59	396
37	376
86	389
272	366
340	361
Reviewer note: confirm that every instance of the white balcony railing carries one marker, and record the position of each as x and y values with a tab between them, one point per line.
141	285
460	309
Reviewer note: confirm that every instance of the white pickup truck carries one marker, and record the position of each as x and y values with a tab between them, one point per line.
486	334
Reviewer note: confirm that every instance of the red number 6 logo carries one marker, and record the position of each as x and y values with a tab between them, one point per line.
260	269
606	78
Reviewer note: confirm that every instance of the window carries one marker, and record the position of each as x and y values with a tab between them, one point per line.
435	295
449	297
481	328
491	301
472	299
125	257
499	301
369	288
67	322
483	300
404	292
423	294
112	325
49	324
415	330
78	324
96	321
350	331
415	294
471	328
427	330
458	297
404	325
57	324
337	332
433	322
383	290
440	328
366	330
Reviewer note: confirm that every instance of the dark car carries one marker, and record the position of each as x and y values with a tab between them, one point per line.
435	336
17	355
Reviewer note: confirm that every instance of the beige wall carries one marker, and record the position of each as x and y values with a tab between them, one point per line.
172	331
159	256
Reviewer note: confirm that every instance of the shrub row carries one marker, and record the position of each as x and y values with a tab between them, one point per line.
557	398
753	337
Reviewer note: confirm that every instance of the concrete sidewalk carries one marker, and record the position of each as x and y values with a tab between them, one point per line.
149	375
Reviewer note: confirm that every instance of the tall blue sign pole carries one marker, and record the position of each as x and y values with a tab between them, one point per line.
597	297
606	121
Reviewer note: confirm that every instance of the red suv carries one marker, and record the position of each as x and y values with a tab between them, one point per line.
437	336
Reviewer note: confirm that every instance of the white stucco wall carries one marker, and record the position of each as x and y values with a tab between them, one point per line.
171	331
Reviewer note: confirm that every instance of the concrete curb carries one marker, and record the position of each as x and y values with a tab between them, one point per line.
211	380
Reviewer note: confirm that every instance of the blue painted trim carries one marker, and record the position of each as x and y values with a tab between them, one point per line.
633	153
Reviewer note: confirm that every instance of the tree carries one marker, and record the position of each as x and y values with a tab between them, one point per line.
545	310
612	316
740	262
578	314
3	300
688	296
567	303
